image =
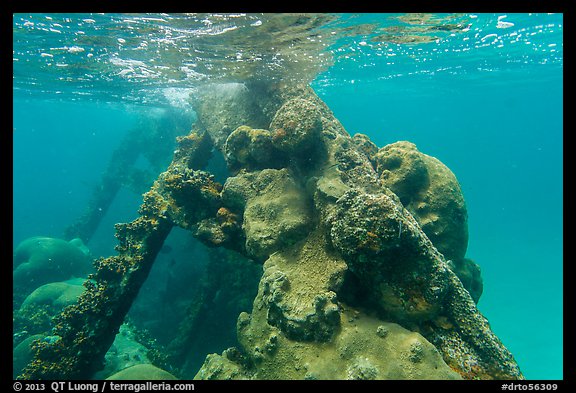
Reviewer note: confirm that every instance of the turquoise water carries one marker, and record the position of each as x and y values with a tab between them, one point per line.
485	97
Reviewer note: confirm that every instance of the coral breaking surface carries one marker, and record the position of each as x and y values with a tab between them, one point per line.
362	249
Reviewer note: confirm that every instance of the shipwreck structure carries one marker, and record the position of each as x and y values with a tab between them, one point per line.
363	251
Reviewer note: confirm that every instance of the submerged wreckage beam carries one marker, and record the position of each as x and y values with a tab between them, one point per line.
152	138
104	194
83	332
362	251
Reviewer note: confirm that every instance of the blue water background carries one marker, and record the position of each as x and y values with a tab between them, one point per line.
499	132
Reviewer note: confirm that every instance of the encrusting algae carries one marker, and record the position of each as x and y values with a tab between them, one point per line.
362	249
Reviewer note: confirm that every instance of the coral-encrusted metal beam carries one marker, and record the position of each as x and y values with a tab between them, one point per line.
84	332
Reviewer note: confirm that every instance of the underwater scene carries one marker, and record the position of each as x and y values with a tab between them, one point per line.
287	196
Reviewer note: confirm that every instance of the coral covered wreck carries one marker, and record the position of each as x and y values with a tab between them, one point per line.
363	251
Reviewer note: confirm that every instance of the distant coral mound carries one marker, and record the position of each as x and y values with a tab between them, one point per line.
41	260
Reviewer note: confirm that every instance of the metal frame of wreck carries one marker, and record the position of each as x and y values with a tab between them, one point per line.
184	195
